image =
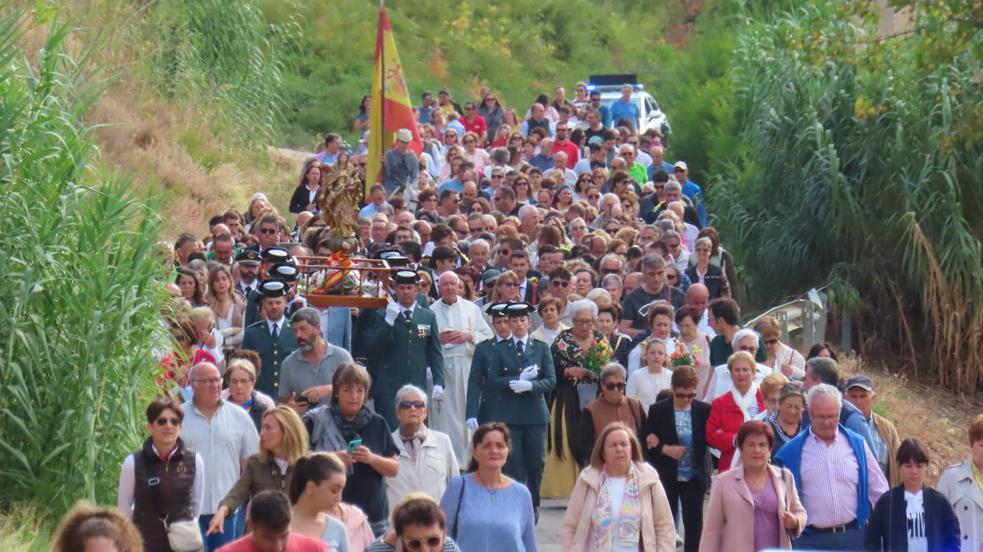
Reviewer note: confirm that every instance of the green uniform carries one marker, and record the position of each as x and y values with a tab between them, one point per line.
255	301
525	413
406	348
271	353
478	405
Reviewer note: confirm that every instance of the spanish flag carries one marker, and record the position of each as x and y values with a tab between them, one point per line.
391	109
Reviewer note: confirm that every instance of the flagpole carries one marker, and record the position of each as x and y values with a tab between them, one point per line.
382	92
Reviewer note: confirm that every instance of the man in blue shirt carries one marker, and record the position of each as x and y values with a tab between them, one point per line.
332	145
625	108
691	190
595	102
377	202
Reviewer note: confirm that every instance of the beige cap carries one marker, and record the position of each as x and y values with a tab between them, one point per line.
404	135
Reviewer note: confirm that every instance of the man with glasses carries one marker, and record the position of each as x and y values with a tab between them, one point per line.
419	525
505	201
225	437
611	264
473	122
563	143
273	339
838	500
602	110
268	233
636	170
560	283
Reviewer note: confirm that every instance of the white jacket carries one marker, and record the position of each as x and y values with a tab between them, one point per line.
959	488
434	467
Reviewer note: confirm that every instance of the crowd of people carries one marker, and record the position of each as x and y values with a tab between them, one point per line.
562	323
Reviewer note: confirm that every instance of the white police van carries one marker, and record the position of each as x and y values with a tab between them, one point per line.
610	88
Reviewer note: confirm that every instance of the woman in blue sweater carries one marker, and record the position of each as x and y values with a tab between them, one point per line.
486	510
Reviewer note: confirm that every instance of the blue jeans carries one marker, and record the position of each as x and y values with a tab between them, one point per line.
214	541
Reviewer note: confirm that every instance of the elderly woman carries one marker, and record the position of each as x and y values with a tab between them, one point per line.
706	273
486	510
912	516
612	406
550	309
360	438
180	475
427	461
787	421
87	528
207	336
960	484
781	357
771	388
618	503
242	392
676	446
754	506
282	442
729	411
575	388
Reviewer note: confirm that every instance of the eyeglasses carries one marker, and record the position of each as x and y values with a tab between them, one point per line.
560	283
417	544
520	183
162	421
593	196
583	320
614	386
476	230
494	175
267	231
678	170
406	405
671	277
208	381
578	228
237	381
771	341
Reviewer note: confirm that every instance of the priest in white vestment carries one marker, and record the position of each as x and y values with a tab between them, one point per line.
460	325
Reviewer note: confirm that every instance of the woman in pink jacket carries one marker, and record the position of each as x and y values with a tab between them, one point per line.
618	502
754	506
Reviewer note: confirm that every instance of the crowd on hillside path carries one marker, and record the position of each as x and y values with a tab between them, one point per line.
562	322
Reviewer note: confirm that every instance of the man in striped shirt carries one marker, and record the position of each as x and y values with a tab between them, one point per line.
836	474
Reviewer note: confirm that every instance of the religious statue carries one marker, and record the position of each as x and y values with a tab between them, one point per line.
338	199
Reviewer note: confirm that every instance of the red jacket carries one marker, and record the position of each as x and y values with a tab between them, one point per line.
569	148
725	420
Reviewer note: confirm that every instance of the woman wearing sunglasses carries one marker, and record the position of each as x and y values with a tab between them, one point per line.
163	480
675	444
419	526
612	406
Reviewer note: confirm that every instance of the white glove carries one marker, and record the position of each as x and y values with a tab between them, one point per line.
392	311
529	373
520	386
438	392
472	424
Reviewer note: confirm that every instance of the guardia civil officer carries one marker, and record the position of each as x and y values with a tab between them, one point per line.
519	379
405	335
273	338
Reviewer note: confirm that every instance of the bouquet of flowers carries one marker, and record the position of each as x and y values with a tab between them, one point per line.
596	357
684	357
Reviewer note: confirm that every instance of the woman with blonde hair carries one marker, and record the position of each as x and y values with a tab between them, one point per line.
87	528
228	306
619	502
282	442
781	358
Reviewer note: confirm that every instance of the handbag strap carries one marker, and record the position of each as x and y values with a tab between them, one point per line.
156	496
457	510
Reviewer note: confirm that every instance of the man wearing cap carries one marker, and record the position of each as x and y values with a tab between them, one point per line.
273	339
462	326
272	257
406	333
860	393
519	378
247	270
400	165
691	190
480	403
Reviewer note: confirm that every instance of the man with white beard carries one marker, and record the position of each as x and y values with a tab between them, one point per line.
461	326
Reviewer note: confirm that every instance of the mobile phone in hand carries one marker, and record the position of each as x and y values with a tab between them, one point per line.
354	444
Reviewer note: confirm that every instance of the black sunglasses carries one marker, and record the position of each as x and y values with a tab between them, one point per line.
560	283
162	421
417	544
406	405
614	386
267	231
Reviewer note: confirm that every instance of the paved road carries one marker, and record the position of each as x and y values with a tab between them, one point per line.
548	531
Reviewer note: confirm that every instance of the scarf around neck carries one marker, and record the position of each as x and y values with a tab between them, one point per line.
628	530
745	401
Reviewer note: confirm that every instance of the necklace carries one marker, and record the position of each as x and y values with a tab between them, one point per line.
492	491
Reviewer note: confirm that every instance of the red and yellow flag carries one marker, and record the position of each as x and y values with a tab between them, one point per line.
390	108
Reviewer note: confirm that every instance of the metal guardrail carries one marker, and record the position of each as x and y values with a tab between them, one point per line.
805	316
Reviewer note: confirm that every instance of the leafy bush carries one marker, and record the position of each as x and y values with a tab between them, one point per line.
80	289
863	171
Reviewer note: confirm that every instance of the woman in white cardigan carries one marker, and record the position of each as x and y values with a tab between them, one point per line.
426	457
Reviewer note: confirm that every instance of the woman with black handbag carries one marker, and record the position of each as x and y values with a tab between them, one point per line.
161	486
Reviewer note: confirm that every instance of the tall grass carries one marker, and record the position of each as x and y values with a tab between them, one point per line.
864	173
78	284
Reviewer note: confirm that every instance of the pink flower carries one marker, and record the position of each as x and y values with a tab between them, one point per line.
561	345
